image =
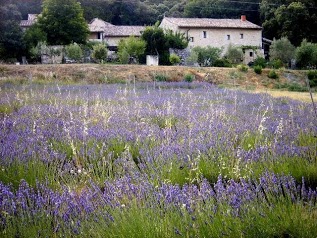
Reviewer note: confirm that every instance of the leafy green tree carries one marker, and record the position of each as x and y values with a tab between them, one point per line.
11	35
282	49
176	40
295	20
205	56
156	43
100	52
74	52
33	36
132	46
63	22
234	54
306	55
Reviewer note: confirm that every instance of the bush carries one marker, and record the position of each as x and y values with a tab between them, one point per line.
276	64
131	48
222	63
74	52
260	61
161	78
100	52
189	78
174	59
242	68
306	55
234	54
312	77
204	56
258	69
272	74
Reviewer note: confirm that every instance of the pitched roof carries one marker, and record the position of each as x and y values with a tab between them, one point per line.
124	31
212	23
98	25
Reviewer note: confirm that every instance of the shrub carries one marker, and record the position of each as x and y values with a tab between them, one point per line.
260	61
174	59
100	52
234	54
124	56
161	78
204	56
131	47
222	63
272	74
189	78
276	64
258	69
242	68
74	52
306	55
312	77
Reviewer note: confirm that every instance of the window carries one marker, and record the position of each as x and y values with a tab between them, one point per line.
191	39
99	35
228	37
251	54
241	36
205	34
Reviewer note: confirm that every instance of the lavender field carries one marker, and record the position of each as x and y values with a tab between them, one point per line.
155	160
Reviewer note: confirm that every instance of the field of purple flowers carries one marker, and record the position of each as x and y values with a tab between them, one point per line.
155	160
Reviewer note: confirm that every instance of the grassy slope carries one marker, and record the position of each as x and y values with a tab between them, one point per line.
94	73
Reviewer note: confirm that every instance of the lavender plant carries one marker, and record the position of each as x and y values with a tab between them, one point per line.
155	160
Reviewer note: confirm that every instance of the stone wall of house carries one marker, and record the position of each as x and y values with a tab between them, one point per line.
52	54
183	54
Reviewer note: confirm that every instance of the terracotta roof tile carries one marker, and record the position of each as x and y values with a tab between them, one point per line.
212	23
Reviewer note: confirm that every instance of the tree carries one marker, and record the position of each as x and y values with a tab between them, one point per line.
156	43
204	56
33	36
295	20
63	22
100	52
234	54
176	40
283	50
11	43
306	55
132	46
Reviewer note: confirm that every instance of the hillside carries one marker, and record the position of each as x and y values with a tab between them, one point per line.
94	73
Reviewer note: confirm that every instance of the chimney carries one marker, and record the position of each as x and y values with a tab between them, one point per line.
243	17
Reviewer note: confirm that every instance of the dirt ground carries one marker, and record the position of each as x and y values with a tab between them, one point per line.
108	73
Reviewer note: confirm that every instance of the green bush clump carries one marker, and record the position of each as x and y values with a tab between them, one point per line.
189	78
276	64
161	78
175	59
258	69
260	61
312	76
222	63
272	74
243	68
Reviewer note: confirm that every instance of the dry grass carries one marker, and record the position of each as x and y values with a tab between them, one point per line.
301	96
96	73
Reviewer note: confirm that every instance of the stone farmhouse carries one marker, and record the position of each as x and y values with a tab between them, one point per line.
219	33
106	32
199	31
